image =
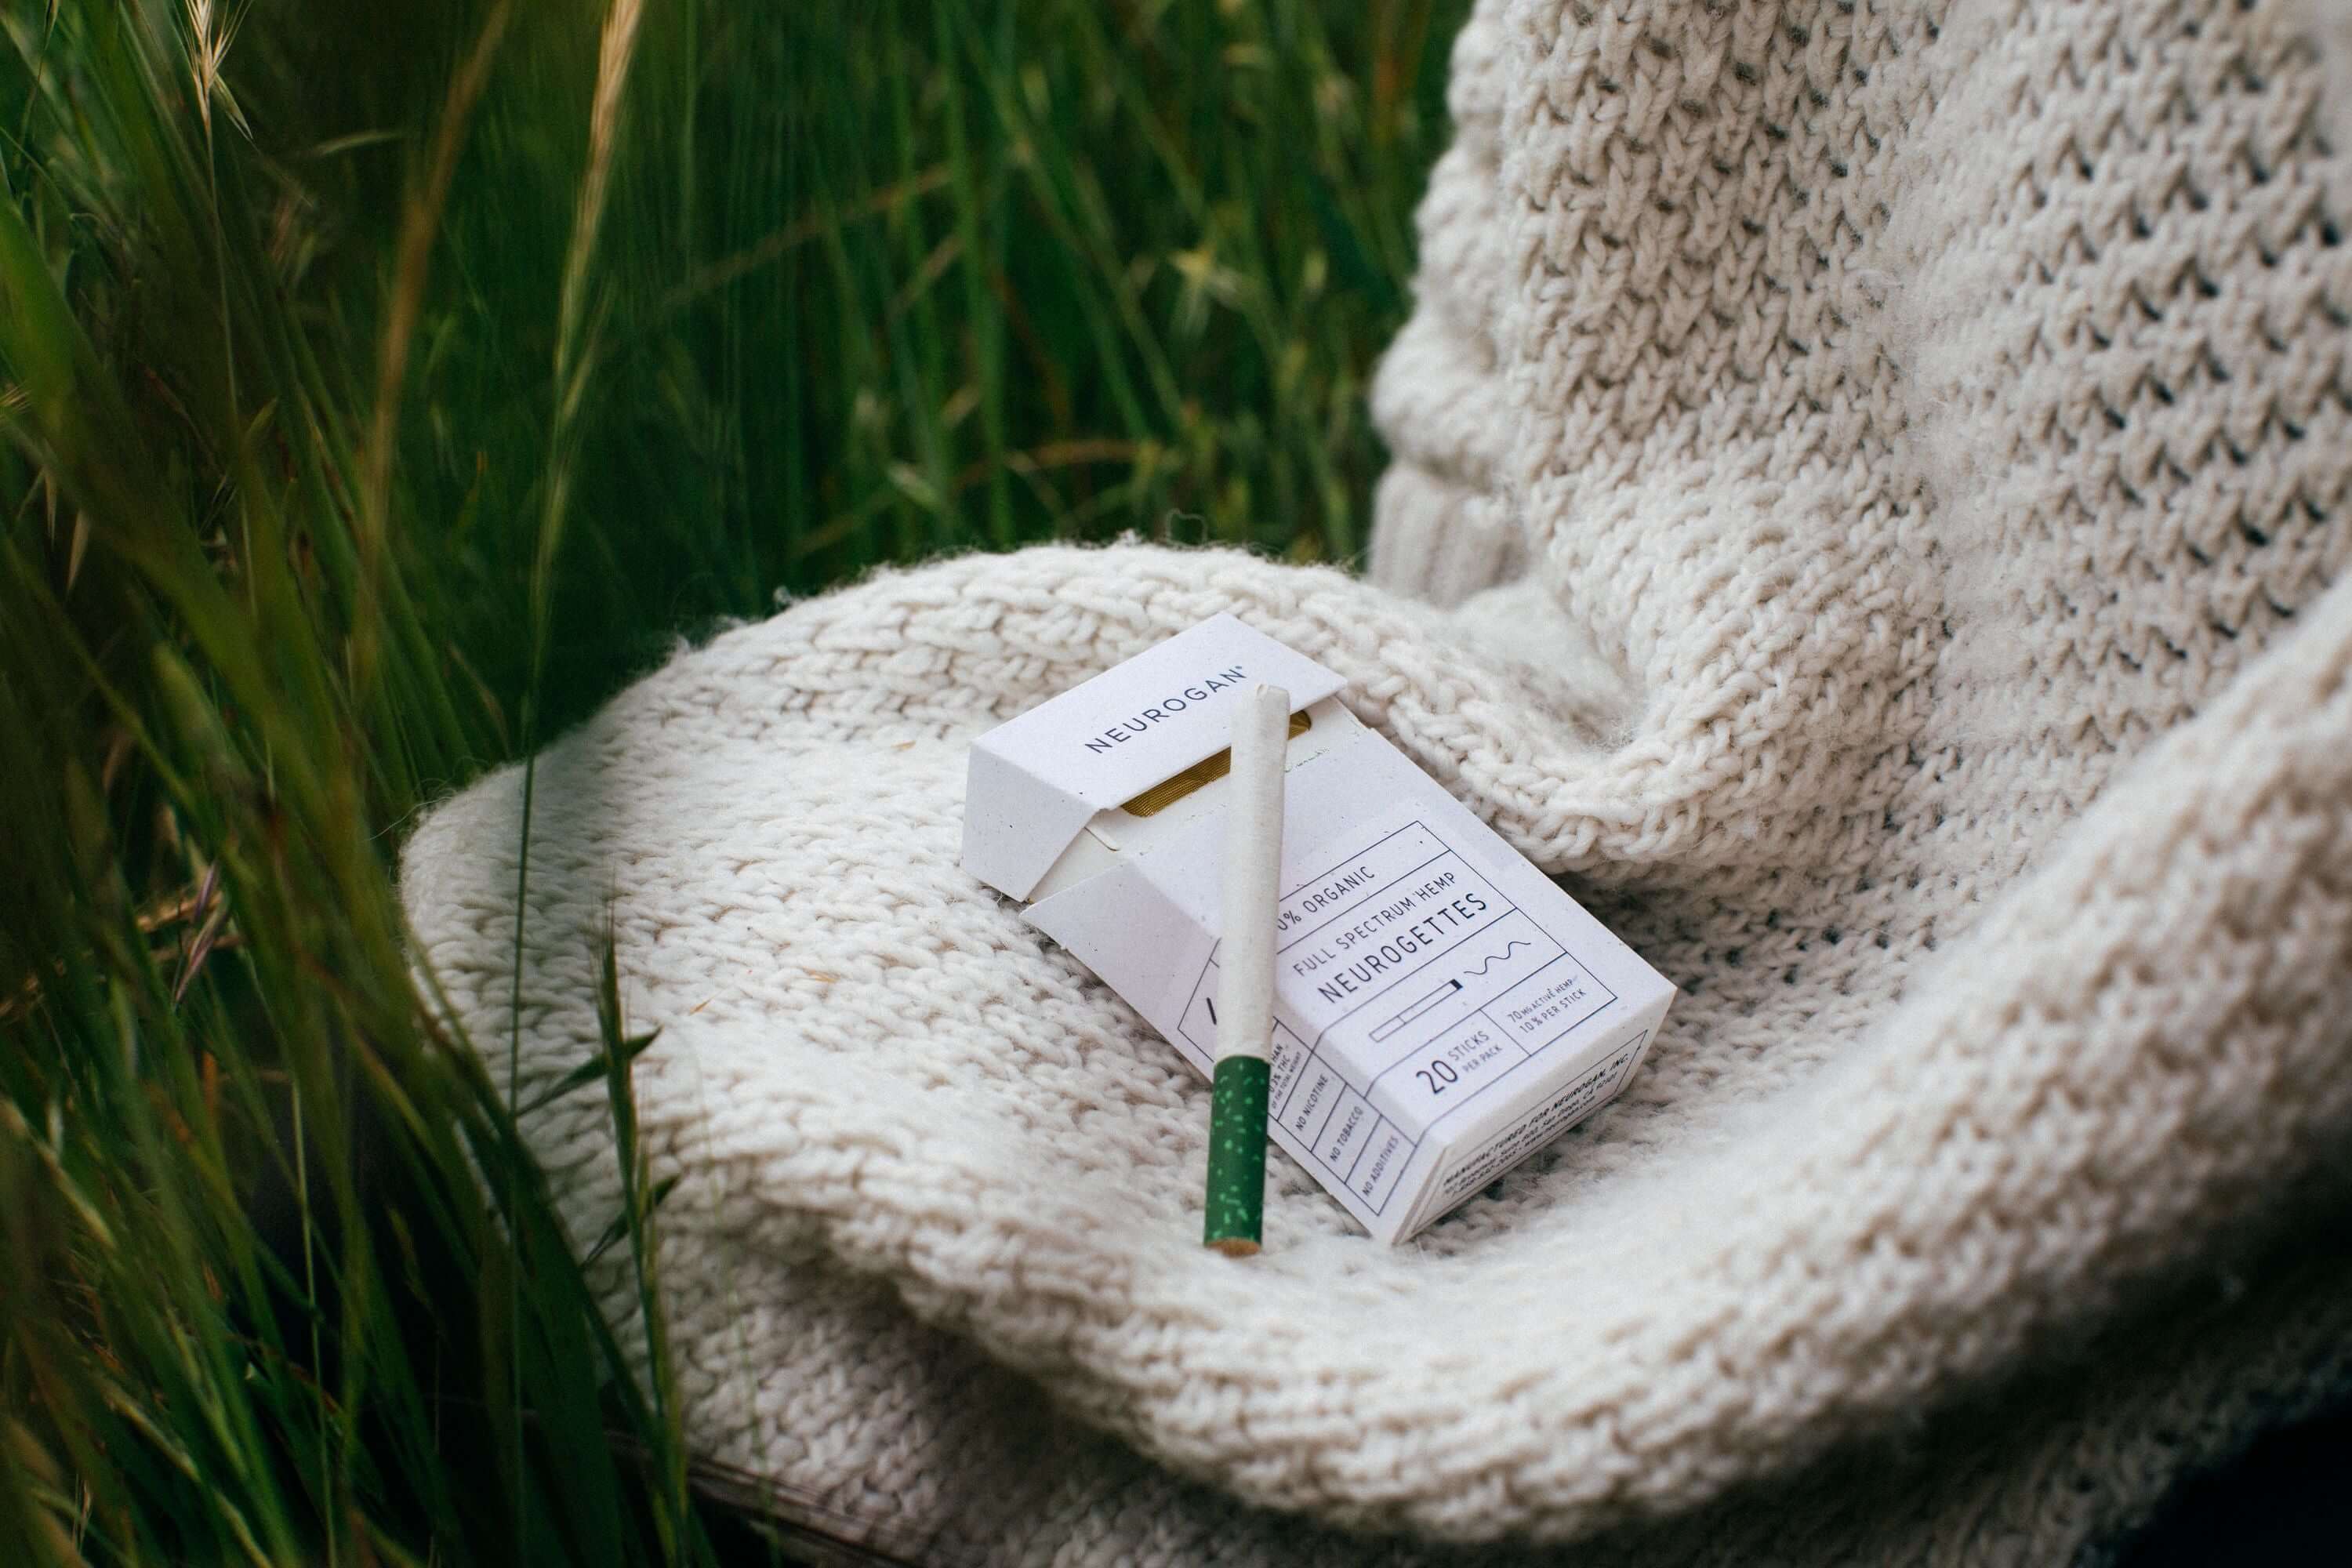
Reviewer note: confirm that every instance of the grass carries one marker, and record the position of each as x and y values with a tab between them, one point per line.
383	387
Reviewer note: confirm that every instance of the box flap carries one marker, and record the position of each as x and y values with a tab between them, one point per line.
1036	781
1124	926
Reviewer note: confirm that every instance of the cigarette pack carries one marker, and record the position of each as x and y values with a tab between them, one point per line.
1442	1009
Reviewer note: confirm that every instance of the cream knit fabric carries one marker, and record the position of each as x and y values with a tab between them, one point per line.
1888	469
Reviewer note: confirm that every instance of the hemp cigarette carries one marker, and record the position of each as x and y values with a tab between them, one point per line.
1252	888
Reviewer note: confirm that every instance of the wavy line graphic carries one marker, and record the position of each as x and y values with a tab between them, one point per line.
1495	958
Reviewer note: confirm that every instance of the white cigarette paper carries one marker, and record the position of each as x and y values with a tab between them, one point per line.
1253	874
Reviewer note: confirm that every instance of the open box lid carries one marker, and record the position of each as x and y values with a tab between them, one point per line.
1036	781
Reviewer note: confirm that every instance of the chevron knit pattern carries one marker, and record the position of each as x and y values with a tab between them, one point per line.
1869	484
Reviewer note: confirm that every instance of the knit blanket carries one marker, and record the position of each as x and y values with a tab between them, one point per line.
1868	486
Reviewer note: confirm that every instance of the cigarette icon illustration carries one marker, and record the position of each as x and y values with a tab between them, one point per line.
1415	1010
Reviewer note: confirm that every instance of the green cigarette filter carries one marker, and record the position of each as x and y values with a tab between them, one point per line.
1237	1155
1252	888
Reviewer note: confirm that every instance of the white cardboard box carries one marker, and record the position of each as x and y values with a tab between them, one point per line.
1442	1009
